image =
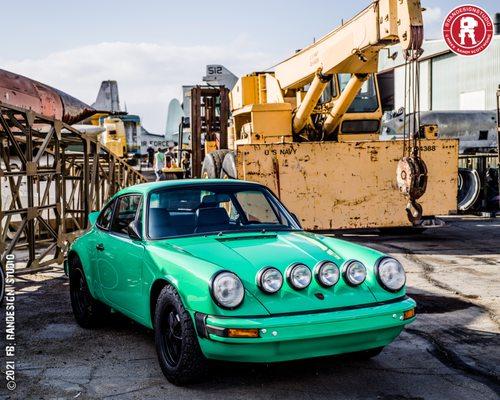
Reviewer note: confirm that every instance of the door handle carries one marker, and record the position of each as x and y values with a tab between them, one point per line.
99	247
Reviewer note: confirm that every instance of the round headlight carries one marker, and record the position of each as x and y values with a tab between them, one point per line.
227	290
355	273
390	274
270	280
327	273
299	276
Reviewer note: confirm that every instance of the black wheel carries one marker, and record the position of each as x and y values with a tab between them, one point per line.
469	188
179	353
228	170
88	311
366	354
212	164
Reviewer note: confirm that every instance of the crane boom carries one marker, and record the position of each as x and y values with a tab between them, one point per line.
353	47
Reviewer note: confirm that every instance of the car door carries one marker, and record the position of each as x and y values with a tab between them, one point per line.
103	224
120	258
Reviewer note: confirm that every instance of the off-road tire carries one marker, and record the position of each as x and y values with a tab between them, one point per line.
88	312
192	364
212	164
228	170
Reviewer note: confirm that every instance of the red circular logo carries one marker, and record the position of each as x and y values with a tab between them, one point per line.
468	30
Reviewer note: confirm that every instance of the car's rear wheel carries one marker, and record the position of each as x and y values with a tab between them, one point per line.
88	311
179	353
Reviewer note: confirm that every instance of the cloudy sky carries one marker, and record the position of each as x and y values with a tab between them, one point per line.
153	47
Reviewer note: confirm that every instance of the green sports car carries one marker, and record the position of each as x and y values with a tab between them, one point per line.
220	269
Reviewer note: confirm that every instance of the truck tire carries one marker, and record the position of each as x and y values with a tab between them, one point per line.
212	164
228	170
179	354
469	188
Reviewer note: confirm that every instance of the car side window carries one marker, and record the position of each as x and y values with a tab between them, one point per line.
126	210
104	220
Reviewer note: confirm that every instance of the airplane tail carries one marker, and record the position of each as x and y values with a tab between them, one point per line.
108	99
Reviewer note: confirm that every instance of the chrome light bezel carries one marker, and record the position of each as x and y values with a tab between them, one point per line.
317	273
347	265
215	299
260	276
289	271
379	279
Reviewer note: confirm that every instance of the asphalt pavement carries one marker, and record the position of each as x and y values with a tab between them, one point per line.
452	351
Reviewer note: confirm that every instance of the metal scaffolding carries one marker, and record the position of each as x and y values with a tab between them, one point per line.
52	176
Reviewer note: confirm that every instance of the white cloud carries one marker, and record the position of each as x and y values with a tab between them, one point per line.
433	20
148	74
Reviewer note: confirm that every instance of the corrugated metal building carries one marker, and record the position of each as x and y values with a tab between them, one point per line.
447	81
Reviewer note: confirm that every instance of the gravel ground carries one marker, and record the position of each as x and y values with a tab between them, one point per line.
452	351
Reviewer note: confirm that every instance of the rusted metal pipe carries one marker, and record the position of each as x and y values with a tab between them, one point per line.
20	91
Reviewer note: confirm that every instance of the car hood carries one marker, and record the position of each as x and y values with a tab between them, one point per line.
246	253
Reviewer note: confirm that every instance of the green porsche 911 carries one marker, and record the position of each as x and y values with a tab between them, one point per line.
220	269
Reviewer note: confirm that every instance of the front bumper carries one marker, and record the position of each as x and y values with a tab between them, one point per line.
296	336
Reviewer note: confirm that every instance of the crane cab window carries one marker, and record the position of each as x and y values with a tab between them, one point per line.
329	93
366	100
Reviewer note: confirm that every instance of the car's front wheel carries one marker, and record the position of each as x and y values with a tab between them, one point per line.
179	353
88	311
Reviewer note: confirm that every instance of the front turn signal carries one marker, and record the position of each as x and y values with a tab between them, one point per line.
409	314
242	333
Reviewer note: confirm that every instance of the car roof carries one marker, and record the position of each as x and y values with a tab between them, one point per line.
145	188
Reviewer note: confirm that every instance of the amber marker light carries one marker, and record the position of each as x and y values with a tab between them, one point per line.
242	333
409	314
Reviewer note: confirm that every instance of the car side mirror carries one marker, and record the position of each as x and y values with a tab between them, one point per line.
296	219
133	231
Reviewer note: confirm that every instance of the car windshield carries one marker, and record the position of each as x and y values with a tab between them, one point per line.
205	210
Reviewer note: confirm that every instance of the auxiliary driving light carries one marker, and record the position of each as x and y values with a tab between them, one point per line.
299	276
269	280
327	273
355	273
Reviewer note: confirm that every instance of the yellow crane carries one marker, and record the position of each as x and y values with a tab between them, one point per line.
310	131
